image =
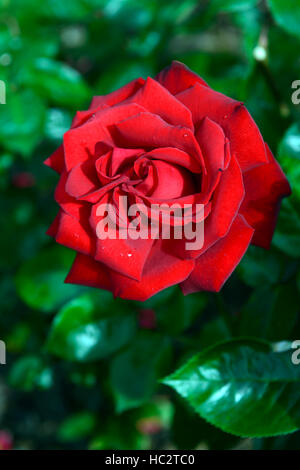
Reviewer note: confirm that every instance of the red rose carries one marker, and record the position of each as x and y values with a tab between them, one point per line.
168	140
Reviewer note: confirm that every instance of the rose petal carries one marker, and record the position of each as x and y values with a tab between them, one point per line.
211	139
168	182
88	272
225	204
52	230
161	270
126	256
176	156
82	179
214	267
117	96
149	130
156	99
245	139
79	143
178	77
70	205
265	187
75	234
56	160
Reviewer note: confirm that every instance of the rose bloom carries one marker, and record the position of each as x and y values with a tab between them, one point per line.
171	139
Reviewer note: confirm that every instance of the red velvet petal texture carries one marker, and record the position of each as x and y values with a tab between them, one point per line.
214	267
88	272
161	270
245	139
265	187
149	130
177	77
156	99
56	160
71	233
80	143
226	202
117	96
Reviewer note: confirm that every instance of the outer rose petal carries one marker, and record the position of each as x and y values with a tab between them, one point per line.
127	256
177	77
245	139
79	143
161	270
265	187
156	99
117	96
52	230
56	160
66	202
71	233
214	267
88	272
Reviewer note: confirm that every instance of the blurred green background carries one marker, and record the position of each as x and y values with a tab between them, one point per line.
82	369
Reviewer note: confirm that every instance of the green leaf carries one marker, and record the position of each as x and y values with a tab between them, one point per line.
243	387
263	317
289	157
83	331
58	122
213	332
232	5
134	372
77	426
190	431
40	280
30	372
287	14
287	234
20	128
260	266
57	82
179	312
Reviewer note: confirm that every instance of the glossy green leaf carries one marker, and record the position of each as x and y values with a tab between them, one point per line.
287	14
20	128
262	316
83	331
190	431
260	266
40	280
30	372
77	426
287	234
232	5
213	332
57	82
58	122
242	387
134	371
180	311
289	157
